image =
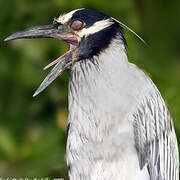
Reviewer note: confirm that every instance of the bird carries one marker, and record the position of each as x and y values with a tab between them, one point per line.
119	127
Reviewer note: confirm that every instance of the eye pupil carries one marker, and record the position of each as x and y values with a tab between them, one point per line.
77	24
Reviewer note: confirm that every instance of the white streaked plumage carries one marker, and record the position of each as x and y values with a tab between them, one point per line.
155	138
119	125
122	145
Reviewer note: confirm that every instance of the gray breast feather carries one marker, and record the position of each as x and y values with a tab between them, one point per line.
155	139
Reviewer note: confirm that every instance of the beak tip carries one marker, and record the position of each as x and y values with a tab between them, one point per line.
35	94
40	89
7	39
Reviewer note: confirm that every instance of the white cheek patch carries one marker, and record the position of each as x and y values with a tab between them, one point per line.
96	27
66	17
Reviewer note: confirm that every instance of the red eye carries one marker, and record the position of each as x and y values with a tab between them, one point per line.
77	24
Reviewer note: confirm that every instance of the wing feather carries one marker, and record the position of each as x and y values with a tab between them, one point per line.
155	138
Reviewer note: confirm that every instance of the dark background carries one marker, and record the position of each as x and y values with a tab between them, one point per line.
32	130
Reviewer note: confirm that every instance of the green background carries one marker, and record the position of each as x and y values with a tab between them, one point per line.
32	130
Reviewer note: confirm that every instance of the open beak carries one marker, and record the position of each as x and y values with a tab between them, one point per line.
58	31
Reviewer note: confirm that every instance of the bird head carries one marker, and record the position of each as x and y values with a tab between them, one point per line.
87	31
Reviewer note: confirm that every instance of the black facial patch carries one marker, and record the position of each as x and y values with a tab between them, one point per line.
88	16
93	44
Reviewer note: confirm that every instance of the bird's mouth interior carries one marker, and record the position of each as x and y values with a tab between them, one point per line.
57	31
73	42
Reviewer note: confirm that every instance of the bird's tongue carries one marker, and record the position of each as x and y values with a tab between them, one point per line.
73	44
57	60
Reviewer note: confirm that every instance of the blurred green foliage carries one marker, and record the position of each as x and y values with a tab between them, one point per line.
32	130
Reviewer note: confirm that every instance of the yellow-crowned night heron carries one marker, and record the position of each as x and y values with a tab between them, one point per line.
119	127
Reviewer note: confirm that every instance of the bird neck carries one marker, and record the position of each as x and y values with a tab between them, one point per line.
93	86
